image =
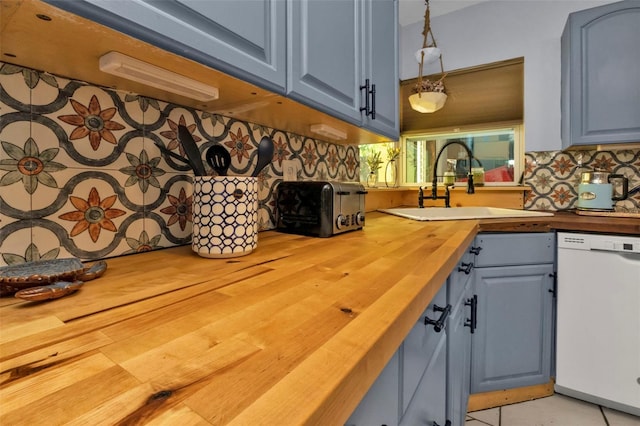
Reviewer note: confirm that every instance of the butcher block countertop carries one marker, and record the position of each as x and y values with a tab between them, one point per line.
294	333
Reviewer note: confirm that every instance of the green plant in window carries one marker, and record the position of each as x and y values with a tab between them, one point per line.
374	162
393	152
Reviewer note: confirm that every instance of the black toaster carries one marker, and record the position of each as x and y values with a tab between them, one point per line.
319	208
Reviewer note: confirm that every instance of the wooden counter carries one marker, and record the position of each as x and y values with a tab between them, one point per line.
294	333
564	221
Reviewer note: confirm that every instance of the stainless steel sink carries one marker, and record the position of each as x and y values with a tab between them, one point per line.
459	213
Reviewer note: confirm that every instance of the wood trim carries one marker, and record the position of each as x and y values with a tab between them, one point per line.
483	401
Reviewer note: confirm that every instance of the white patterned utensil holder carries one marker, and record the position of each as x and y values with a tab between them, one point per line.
225	216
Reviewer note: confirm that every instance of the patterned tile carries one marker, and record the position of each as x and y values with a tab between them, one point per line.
90	216
17	83
81	175
15	243
93	128
554	176
172	210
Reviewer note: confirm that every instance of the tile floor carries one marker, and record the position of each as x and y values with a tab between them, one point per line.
555	410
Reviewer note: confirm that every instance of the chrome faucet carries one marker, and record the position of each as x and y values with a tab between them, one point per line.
434	186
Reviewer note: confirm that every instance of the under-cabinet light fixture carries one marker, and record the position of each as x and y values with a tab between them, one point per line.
328	131
142	72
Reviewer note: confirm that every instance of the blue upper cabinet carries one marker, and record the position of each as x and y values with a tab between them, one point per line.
245	39
343	60
337	56
600	75
324	55
380	40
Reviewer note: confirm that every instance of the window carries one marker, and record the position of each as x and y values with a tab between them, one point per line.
498	151
384	152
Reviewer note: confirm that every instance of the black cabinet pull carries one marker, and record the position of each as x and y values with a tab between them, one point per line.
365	108
373	101
472	322
466	268
447	423
553	290
438	324
475	250
369	107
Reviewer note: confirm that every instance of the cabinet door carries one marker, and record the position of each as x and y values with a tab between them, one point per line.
380	38
459	361
600	78
419	347
511	346
380	405
324	56
428	405
246	39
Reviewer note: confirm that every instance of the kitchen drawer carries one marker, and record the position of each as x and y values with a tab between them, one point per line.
460	276
514	249
419	347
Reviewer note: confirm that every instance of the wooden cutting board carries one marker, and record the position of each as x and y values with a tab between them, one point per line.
635	215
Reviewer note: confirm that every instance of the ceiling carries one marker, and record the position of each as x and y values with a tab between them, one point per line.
411	11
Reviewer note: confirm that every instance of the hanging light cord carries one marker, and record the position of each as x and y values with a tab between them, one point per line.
426	32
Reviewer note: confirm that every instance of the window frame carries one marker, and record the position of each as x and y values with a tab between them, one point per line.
518	149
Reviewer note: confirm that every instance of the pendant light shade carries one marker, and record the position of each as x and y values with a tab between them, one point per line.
427	102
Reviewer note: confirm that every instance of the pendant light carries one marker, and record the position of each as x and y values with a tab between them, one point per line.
428	96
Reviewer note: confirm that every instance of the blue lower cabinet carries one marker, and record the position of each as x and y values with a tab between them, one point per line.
514	282
490	327
419	347
512	345
380	406
459	358
428	404
413	384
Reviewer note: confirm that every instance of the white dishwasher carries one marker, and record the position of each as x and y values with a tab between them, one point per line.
598	319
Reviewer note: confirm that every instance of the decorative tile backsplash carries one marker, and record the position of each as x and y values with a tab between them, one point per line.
554	176
80	174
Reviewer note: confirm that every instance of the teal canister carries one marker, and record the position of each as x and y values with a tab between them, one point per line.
595	191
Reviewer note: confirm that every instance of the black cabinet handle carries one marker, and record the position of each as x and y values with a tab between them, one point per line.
472	322
466	268
373	101
438	324
553	290
475	250
447	423
365	108
369	107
